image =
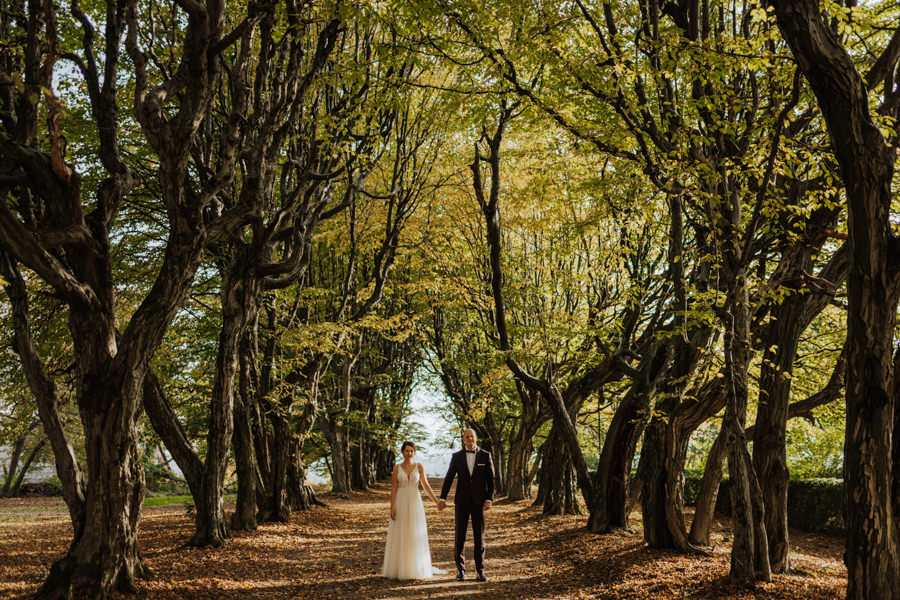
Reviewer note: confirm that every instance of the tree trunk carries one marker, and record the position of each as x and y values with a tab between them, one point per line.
272	438
244	516
611	481
335	421
362	453
867	168
25	466
749	550
281	465
517	467
654	474
769	442
384	464
300	495
210	526
559	493
358	457
167	426
789	319
534	414
43	388
873	555
340	460
676	453
701	526
614	469
17	449
498	454
240	295
675	418
491	439
262	442
896	449
105	556
665	449
537	468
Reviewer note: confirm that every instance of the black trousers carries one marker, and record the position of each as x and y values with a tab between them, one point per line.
464	513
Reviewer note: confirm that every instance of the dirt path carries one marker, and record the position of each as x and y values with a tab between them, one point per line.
336	553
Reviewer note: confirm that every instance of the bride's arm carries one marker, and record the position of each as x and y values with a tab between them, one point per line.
425	483
394	492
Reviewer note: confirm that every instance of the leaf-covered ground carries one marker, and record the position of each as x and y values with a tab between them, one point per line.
337	552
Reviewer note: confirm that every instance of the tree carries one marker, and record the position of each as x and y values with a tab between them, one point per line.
282	121
867	159
50	222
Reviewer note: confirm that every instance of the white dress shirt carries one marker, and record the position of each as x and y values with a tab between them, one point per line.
470	459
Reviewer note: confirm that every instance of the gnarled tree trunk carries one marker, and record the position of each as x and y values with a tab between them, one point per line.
769	442
240	296
244	516
611	481
867	163
701	526
749	550
558	477
104	554
517	465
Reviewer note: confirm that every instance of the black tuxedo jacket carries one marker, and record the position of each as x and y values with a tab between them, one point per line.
474	488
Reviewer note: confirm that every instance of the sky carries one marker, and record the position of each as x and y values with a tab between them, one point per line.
435	451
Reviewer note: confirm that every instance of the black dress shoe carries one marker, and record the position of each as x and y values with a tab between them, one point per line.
481	576
459	576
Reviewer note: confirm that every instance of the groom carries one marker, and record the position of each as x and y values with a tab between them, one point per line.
474	496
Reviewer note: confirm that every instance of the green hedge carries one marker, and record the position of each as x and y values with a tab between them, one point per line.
816	505
813	504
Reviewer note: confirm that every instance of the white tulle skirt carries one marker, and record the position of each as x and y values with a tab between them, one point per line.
406	552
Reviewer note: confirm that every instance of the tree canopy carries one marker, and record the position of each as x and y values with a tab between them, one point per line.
625	240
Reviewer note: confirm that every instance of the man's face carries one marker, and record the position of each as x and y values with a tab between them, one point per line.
469	439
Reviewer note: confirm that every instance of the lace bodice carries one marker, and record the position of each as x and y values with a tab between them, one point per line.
404	480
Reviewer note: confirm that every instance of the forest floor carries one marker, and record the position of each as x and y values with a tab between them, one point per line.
336	552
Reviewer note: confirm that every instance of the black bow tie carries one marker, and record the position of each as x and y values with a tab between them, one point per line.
471	451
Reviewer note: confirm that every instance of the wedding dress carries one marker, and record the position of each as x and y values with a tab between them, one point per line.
406	552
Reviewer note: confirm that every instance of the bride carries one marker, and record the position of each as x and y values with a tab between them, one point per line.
406	553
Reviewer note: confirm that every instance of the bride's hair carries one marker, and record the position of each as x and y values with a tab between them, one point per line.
405	444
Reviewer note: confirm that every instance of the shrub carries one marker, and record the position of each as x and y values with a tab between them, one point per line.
816	505
813	504
50	487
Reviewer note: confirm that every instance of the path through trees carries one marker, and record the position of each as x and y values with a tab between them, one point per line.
337	553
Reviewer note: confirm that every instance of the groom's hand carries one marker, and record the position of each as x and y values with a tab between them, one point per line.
442	504
487	505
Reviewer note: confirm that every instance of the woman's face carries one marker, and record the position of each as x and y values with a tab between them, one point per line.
409	452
